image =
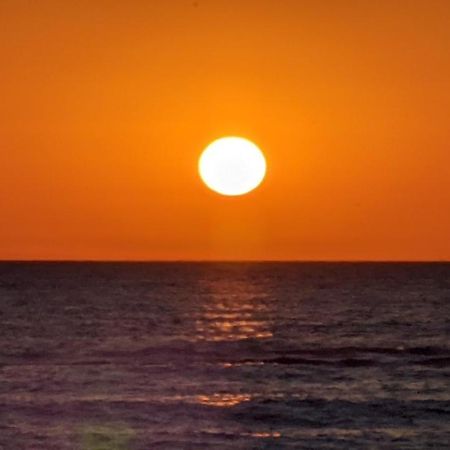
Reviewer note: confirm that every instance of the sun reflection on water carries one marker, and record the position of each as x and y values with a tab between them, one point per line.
223	400
235	310
266	434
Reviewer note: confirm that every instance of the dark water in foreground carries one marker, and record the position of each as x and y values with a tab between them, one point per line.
224	356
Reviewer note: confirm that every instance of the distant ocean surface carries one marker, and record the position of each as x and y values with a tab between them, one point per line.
224	356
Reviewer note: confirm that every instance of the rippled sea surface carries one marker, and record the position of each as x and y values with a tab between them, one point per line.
224	356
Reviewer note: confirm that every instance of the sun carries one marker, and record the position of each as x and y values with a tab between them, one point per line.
232	166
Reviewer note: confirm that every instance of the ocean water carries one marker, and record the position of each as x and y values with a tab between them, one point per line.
224	356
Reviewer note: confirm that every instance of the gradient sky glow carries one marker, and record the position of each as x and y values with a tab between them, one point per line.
106	106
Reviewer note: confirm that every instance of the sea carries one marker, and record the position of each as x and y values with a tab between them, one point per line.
140	356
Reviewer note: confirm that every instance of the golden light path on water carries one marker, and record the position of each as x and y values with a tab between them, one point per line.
233	312
223	400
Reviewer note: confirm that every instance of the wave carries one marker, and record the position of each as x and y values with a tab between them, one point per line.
438	357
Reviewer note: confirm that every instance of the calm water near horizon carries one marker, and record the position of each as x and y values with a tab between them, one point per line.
224	356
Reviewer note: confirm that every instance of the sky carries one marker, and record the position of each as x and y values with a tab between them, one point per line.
106	106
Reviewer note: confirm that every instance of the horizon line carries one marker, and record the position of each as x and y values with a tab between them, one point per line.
235	261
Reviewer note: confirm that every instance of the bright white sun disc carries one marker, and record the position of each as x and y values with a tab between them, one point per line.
232	166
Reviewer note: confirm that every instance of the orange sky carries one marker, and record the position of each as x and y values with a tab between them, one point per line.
105	107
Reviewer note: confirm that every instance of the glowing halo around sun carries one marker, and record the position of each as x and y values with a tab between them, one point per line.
232	166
